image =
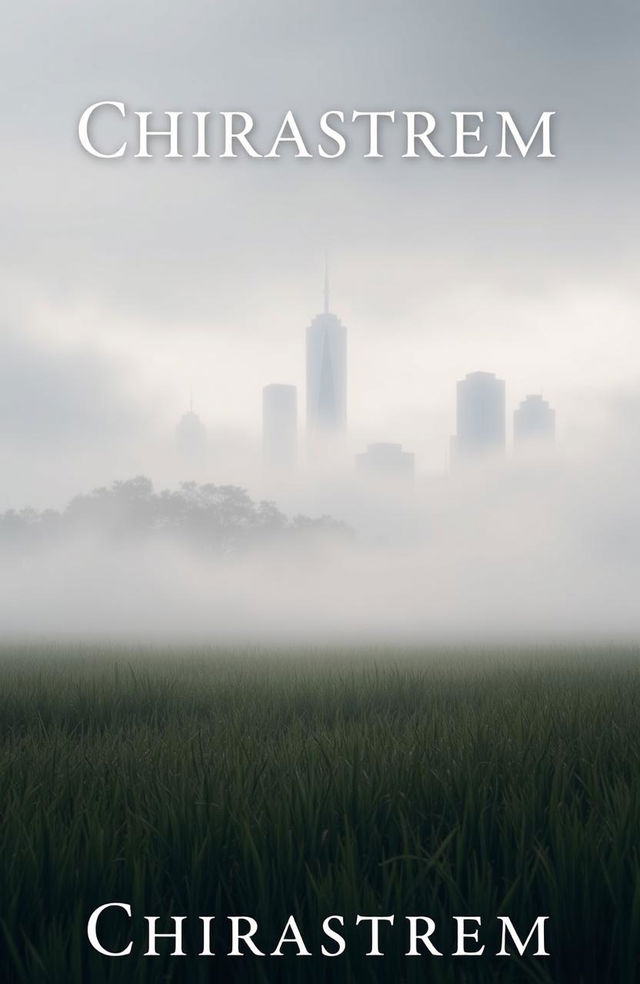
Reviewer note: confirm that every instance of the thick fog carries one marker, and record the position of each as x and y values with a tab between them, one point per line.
540	547
134	289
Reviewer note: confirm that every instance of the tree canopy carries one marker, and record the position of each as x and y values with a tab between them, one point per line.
215	519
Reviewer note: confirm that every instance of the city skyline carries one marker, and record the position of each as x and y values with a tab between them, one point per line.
481	414
526	270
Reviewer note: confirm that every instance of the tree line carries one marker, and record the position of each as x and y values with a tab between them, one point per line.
216	519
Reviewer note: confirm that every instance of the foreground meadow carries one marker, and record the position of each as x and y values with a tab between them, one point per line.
316	783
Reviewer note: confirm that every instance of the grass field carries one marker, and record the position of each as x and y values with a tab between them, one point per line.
251	783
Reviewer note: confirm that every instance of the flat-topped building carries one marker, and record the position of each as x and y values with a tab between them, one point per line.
534	421
280	425
480	417
386	461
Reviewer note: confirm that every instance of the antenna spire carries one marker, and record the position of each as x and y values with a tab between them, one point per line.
326	283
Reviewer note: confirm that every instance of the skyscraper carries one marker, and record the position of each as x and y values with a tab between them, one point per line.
191	439
279	424
386	461
480	416
326	372
534	420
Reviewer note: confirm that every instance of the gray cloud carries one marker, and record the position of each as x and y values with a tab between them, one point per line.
155	238
60	396
68	415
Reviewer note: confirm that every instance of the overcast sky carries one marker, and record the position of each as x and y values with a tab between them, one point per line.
125	283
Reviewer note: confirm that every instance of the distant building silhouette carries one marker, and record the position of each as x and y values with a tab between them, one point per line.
280	425
326	372
534	420
388	461
191	438
480	417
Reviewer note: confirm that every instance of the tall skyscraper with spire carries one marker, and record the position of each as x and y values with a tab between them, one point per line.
326	371
191	437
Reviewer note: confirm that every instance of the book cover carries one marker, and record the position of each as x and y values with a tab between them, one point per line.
319	524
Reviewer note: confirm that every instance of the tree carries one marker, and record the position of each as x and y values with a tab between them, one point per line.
214	519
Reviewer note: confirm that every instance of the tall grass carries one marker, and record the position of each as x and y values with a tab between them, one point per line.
196	783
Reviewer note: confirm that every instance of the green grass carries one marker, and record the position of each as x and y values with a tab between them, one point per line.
252	783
